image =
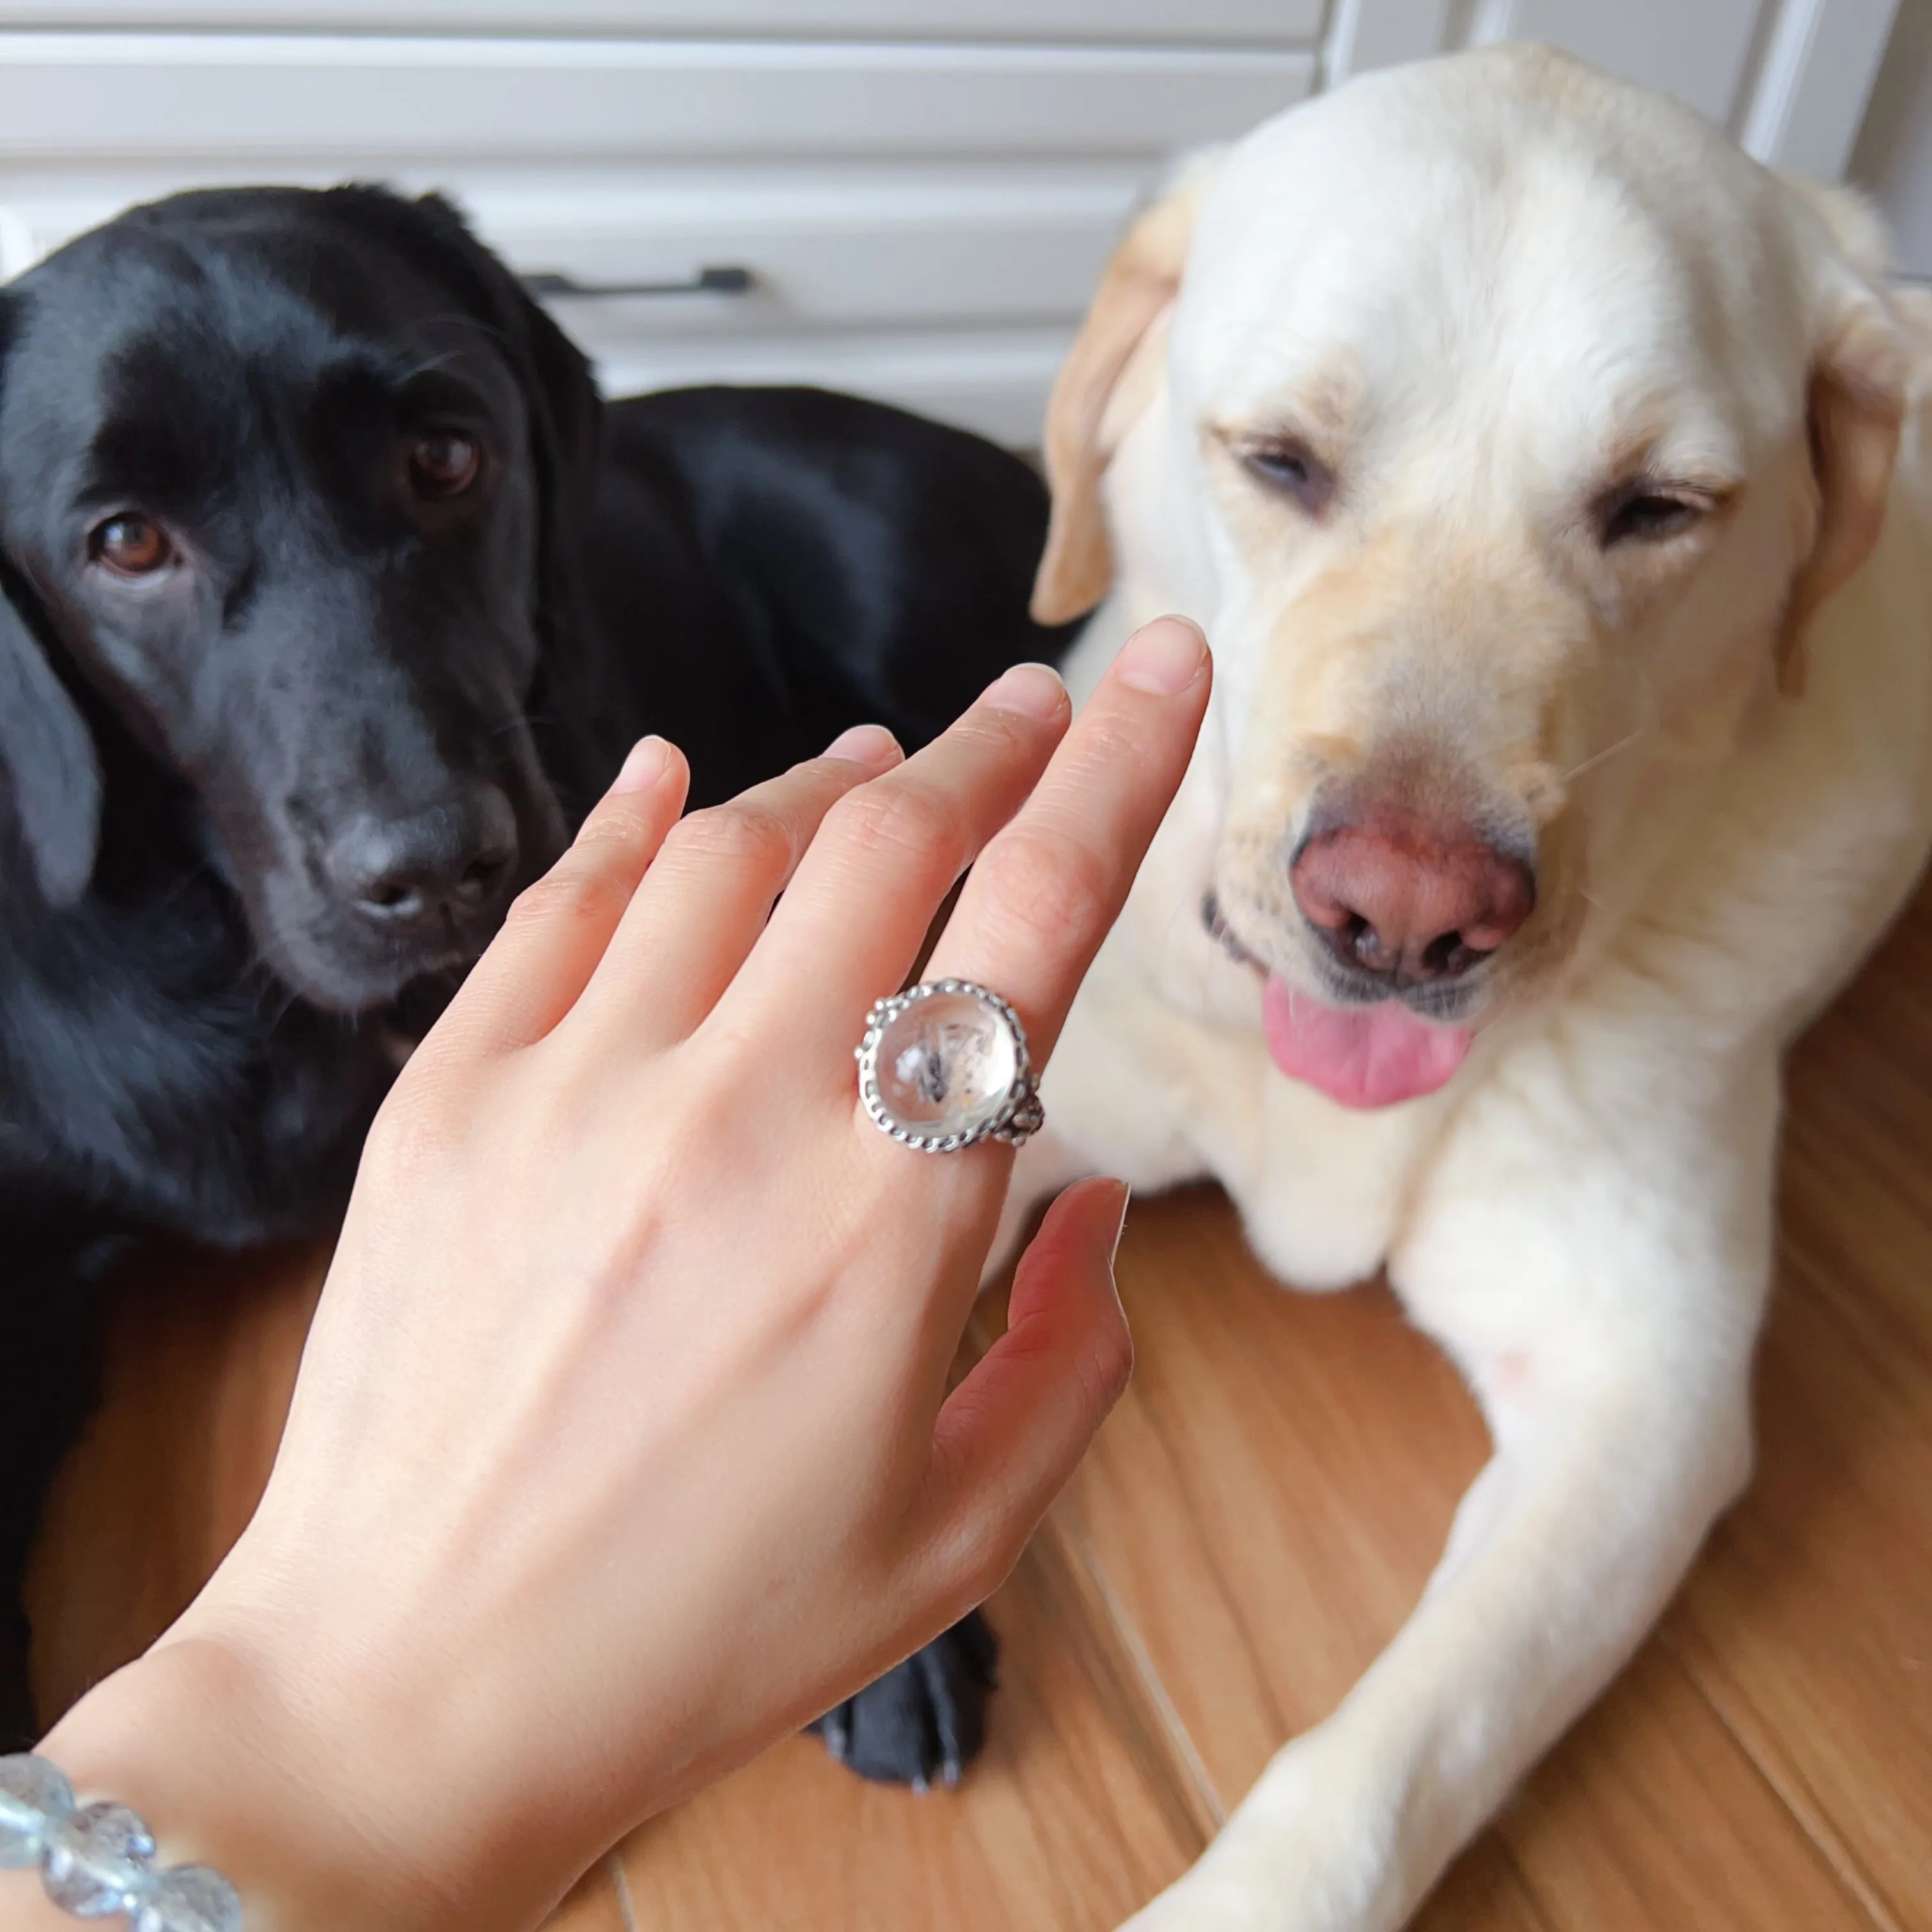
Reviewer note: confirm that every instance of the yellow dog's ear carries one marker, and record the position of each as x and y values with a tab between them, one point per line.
1854	409
1135	294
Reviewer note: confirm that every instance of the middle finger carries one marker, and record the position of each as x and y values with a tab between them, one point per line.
864	899
707	896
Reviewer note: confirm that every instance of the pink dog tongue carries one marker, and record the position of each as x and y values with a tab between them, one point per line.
1360	1056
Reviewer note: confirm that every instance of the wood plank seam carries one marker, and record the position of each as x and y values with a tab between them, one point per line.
1234	1598
1207	1812
1733	1710
1650	1868
1110	1662
1530	1900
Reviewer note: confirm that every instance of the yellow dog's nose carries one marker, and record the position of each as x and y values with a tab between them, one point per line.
1410	902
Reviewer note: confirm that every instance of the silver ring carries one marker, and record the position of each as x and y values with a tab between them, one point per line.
944	1066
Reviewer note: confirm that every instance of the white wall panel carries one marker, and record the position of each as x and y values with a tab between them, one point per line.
1816	78
1893	156
1789	78
1367	33
1698	50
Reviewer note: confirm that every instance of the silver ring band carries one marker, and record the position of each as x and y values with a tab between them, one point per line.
944	1065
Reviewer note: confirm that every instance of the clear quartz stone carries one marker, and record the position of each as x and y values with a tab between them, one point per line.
946	1065
188	1898
35	1797
97	1861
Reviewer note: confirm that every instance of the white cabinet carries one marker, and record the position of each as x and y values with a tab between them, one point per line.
272	98
1247	22
920	217
910	197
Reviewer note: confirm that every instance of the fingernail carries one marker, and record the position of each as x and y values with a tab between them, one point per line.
649	760
871	745
1163	658
1032	690
1120	1225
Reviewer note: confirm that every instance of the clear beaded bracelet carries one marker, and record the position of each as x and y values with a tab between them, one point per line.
98	1860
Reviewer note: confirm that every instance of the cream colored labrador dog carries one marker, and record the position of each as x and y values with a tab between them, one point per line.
1545	472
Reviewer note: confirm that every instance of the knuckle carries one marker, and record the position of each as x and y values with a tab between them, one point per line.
743	835
987	1552
1108	1369
1111	739
898	821
994	734
1043	889
412	1134
577	891
613	835
620	818
1104	750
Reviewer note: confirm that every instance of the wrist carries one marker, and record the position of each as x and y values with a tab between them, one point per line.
319	1819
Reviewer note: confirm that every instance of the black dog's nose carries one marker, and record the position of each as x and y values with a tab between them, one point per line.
450	858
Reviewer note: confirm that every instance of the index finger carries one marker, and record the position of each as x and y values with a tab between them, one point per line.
1049	887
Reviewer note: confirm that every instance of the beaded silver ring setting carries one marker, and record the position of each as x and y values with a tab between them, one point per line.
943	1066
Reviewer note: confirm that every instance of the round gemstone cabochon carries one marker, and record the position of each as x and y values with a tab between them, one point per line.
947	1062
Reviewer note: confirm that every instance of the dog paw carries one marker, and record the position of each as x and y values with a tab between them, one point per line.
924	1721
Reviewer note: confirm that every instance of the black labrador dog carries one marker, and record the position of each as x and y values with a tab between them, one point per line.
332	599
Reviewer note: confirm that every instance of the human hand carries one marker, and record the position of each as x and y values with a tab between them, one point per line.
623	1444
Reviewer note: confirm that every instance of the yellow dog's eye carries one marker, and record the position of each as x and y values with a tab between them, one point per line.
1637	514
1291	468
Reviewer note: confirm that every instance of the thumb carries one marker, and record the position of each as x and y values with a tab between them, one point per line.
1010	1434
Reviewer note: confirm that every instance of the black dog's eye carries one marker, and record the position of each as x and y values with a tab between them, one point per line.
1635	514
131	545
443	464
1293	469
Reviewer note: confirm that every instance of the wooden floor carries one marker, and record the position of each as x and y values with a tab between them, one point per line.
1253	1524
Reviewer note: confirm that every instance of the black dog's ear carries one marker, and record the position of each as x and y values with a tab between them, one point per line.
49	774
566	410
563	391
47	763
565	407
